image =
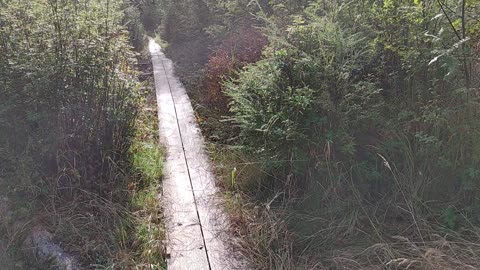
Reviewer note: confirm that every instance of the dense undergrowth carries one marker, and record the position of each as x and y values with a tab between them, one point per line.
345	132
347	138
79	152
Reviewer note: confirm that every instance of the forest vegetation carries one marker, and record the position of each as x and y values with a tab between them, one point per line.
79	150
344	134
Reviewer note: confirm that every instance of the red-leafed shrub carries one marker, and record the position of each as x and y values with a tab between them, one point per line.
239	49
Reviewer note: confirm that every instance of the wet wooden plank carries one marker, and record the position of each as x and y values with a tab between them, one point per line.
186	142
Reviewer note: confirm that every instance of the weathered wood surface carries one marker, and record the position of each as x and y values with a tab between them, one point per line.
197	227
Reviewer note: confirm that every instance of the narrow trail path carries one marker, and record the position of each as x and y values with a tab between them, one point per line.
197	227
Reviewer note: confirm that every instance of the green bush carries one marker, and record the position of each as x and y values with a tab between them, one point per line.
132	20
304	94
69	98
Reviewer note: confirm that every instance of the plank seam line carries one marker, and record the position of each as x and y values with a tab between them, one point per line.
186	162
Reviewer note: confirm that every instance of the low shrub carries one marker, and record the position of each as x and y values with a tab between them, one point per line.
239	49
296	104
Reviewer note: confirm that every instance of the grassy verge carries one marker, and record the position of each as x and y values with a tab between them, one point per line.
147	155
329	226
142	231
123	229
115	225
79	157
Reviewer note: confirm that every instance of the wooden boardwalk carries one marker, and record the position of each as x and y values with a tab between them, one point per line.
197	227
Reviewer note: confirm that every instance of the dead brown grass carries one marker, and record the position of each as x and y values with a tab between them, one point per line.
331	227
